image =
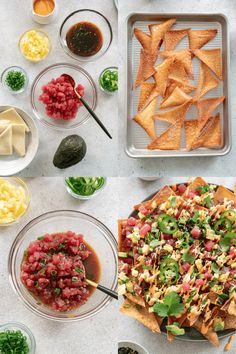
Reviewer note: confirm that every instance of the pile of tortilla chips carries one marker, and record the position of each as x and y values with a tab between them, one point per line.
168	85
136	306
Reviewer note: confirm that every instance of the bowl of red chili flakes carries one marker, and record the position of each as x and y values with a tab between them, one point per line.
50	259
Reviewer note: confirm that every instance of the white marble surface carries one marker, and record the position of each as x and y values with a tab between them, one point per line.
15	18
137	190
216	166
95	335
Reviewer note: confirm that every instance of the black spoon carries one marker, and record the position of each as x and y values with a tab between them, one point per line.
72	82
103	289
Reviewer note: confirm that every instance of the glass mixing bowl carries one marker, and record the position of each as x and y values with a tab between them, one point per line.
95	234
16	326
81	77
90	16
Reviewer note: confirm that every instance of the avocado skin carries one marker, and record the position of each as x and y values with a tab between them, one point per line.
71	150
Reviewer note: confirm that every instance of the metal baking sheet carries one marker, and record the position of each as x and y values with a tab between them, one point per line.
136	137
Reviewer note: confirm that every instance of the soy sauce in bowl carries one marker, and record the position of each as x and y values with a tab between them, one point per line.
84	39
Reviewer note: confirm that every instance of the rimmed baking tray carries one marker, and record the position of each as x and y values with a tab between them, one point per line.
136	137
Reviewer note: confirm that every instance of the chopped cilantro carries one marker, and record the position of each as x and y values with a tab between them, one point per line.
188	257
173	202
204	189
171	305
207	202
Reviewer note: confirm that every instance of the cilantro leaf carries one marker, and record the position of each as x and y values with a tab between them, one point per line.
188	257
194	219
225	241
207	202
171	305
173	202
175	330
204	189
215	268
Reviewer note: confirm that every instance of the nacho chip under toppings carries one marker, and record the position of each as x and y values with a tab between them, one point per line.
177	98
206	81
198	38
138	300
212	58
230	322
161	75
141	314
223	193
147	93
175	115
173	37
168	140
184	56
145	118
211	335
160	197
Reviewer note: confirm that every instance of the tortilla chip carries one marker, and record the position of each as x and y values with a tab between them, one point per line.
169	140
190	132
177	98
139	77
206	107
145	118
223	193
158	32
172	84
173	37
211	335
138	300
230	322
120	238
143	38
160	197
175	115
184	56
212	58
194	185
178	72
141	314
206	81
147	93
198	38
161	75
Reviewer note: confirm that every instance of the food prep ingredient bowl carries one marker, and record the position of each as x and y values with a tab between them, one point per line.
18	182
4	78
13	164
132	345
81	77
90	16
108	80
35	51
96	234
80	196
16	326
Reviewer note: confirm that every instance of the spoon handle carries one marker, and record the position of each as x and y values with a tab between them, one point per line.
103	289
93	115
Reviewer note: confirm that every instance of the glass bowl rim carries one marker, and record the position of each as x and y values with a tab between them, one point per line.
12	258
114	67
41	74
21	183
24	328
83	197
65	47
40	31
20	69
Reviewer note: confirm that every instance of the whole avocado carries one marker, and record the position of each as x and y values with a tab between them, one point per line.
71	150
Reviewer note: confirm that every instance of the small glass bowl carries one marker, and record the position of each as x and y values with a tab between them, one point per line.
83	197
4	76
91	16
96	234
44	34
18	182
81	77
113	68
14	326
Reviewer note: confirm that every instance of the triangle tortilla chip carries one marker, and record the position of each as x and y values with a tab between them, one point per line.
161	75
145	69
223	193
206	107
147	94
206	81
139	77
141	314
198	38
212	58
184	56
173	37
158	32
211	335
194	185
172	84
175	115
177	98
169	140
160	197
146	120
143	38
178	72
138	300
190	132
230	322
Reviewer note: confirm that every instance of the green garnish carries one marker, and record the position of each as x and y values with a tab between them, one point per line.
169	271
85	186
188	257
78	270
175	329
53	273
171	305
215	268
204	189
154	243
61	246
74	279
167	224
40	238
173	202
109	80
13	342
57	291
207	202
226	241
15	80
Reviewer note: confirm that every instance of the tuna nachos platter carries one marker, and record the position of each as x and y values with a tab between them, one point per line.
177	262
